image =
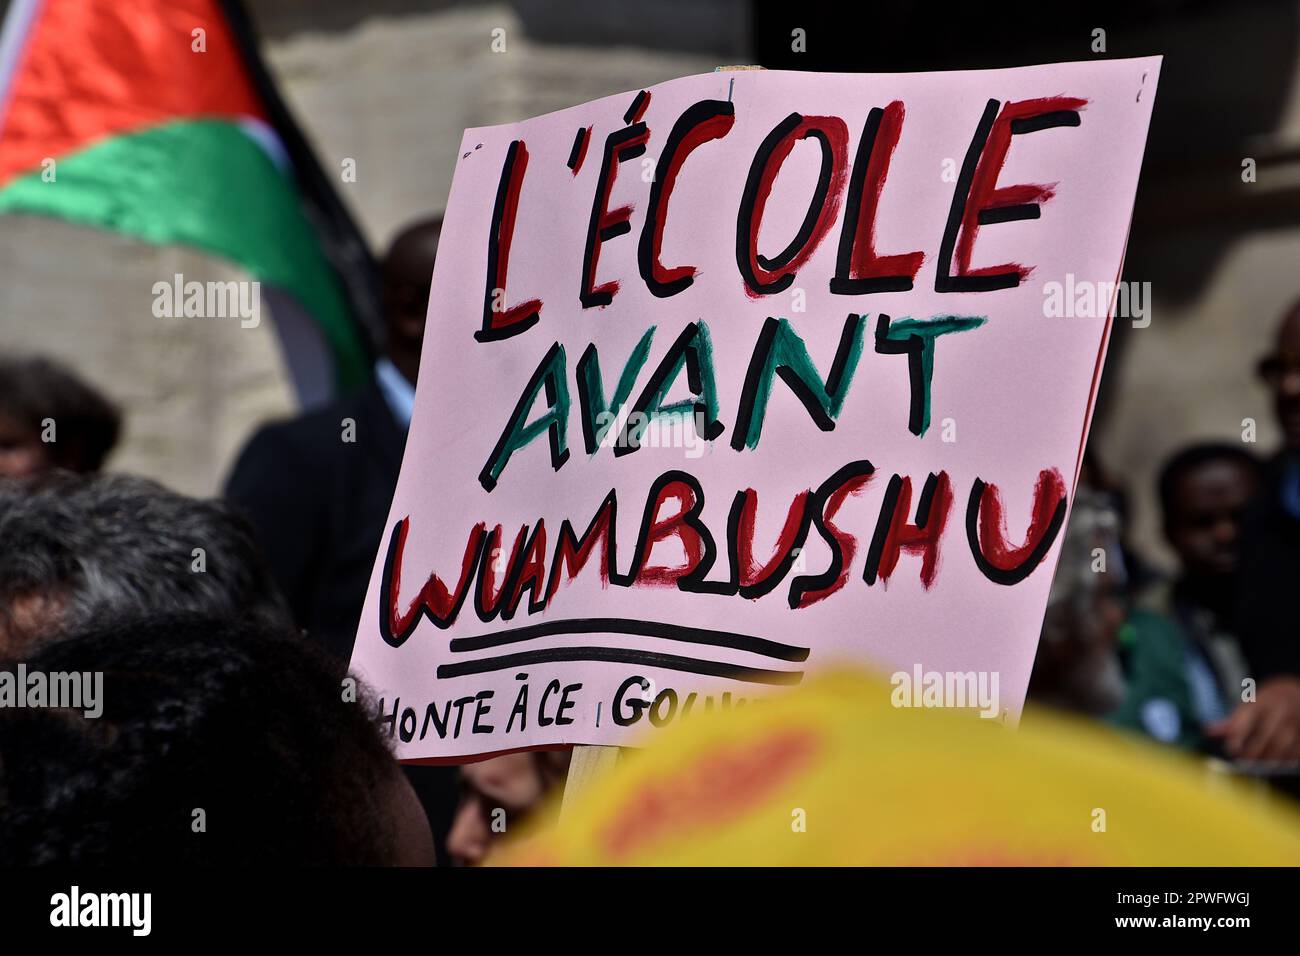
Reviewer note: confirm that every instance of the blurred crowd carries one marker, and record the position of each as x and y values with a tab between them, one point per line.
1206	659
229	718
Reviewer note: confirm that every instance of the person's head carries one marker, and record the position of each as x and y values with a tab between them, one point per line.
1280	370
497	794
1077	666
1204	491
49	418
217	743
405	273
80	548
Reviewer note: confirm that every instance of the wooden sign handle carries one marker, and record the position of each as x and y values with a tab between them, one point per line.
588	763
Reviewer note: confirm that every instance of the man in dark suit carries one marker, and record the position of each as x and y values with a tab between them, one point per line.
317	489
1268	727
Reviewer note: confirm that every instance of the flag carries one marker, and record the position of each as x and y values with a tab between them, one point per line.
157	119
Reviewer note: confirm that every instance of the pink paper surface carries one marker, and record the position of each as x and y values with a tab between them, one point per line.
1017	391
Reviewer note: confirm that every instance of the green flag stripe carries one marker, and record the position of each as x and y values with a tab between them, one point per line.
207	184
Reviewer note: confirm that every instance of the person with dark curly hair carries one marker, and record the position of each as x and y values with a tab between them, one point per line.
219	743
50	418
77	549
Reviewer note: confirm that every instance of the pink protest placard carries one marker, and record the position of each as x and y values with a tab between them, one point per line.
744	375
